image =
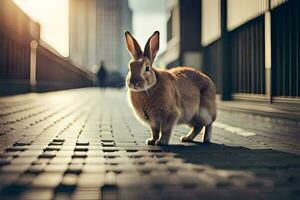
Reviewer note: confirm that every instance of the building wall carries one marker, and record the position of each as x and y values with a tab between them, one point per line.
210	21
172	54
17	30
275	3
62	75
113	18
263	46
97	33
190	17
285	28
183	31
27	64
126	26
238	12
83	33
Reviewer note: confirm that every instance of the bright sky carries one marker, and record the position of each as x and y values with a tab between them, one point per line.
53	16
149	16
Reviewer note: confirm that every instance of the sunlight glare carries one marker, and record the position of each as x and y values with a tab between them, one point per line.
53	17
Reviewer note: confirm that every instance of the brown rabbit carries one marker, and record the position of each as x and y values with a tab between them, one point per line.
164	98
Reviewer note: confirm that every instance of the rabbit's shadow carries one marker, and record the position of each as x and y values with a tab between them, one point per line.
236	158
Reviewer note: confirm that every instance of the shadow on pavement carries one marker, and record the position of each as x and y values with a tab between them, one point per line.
281	170
228	157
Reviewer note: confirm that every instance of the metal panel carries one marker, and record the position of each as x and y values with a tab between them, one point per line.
240	12
54	72
248	57
212	63
210	21
275	3
14	58
285	49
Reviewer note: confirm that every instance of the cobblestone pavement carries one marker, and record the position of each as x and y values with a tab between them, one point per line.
86	144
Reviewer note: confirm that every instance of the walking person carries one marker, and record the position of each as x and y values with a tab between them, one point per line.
102	75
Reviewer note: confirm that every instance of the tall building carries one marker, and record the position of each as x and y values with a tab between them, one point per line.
82	36
97	33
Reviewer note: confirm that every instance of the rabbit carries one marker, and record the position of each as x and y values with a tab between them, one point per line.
163	98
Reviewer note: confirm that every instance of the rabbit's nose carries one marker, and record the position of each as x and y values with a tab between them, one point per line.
138	84
135	82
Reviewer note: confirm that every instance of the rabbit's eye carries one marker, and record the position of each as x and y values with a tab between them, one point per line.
147	69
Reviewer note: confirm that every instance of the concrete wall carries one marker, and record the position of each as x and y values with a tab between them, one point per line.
25	65
83	33
239	12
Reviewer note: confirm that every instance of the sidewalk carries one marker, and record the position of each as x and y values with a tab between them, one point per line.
289	112
86	144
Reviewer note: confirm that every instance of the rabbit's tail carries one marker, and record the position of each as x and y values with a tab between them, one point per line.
208	100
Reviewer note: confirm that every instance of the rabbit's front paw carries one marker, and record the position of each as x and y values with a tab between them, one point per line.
150	141
162	141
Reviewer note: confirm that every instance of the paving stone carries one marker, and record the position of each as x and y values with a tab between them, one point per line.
23	160
59	140
79	155
90	179
90	193
47	180
4	161
108	144
13	189
25	179
52	148
8	179
81	149
47	155
74	169
68	184
82	143
37	194
23	142
14	168
36	169
56	143
16	148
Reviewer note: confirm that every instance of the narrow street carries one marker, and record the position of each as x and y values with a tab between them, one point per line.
86	144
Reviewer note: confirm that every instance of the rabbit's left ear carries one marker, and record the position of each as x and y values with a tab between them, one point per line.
133	46
152	46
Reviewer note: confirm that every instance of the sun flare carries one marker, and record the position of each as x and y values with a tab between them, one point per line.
53	16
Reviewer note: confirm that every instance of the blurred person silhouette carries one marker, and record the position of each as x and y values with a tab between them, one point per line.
102	75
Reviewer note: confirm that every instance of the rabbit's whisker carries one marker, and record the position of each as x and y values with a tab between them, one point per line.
124	89
146	91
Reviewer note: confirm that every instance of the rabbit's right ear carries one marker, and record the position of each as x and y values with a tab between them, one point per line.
133	46
152	46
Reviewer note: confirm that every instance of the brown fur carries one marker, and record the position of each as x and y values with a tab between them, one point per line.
181	95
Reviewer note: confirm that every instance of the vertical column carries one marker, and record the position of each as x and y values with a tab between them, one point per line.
226	69
268	55
33	47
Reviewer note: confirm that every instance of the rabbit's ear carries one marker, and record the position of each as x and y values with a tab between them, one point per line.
132	45
152	46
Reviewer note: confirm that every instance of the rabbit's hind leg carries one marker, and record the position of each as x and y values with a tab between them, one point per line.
192	134
207	133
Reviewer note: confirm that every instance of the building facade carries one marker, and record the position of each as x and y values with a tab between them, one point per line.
183	31
249	48
27	63
97	33
82	33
